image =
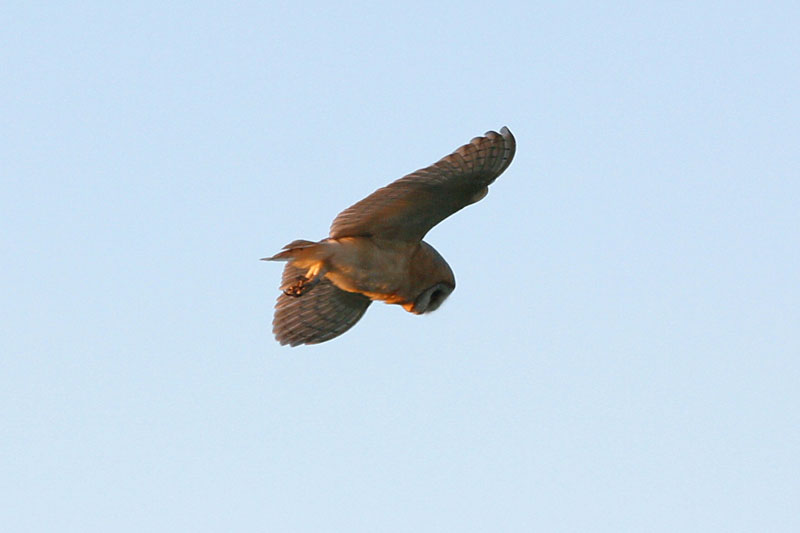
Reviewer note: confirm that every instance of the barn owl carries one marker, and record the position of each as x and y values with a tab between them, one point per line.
375	249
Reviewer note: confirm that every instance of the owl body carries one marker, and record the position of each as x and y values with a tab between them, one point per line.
375	250
392	271
376	268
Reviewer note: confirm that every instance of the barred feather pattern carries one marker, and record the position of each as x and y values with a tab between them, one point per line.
409	207
321	314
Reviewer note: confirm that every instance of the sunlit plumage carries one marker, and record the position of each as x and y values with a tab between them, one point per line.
375	249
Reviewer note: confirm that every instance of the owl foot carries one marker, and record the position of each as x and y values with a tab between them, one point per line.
300	286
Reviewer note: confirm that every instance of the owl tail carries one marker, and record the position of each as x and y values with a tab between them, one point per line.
303	255
301	251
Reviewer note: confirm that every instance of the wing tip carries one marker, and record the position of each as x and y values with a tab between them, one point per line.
509	147
507	135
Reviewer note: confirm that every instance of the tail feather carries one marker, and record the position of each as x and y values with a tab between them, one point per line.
299	243
300	250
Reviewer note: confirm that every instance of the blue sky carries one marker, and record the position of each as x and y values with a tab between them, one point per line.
622	352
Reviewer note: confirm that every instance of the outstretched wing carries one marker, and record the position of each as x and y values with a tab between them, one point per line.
319	315
409	207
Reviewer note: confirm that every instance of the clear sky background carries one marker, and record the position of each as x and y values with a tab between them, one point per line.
622	352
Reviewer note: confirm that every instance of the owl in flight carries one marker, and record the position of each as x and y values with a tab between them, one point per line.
375	250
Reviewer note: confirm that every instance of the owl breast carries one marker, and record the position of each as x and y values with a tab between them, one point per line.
411	274
375	268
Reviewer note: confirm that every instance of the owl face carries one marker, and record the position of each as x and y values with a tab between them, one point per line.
431	298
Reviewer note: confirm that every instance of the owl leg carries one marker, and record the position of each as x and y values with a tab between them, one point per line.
299	286
303	284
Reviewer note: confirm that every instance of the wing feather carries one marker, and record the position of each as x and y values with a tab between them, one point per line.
409	207
319	315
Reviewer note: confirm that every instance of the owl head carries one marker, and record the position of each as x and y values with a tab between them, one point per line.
431	273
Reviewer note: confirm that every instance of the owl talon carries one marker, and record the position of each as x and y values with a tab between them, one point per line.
301	286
